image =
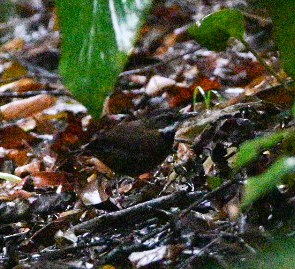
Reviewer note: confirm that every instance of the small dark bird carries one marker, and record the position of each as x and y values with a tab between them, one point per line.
134	147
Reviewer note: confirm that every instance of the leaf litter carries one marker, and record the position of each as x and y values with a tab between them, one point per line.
70	210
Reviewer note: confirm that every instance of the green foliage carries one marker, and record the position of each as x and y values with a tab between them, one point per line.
260	185
215	29
96	39
6	9
250	150
206	95
214	182
282	15
280	254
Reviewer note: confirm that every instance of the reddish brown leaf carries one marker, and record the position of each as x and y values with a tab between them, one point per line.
71	135
33	167
53	179
208	84
119	103
27	84
19	157
13	137
252	69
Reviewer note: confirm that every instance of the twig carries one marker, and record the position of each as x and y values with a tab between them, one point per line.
190	260
206	197
9	80
264	64
132	214
60	253
33	93
147	68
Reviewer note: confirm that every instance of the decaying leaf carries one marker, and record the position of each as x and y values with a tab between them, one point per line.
27	107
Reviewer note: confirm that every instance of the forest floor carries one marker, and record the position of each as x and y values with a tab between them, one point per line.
71	211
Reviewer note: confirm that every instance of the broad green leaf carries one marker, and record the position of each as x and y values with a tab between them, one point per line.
250	150
7	9
97	36
279	253
282	15
260	185
214	30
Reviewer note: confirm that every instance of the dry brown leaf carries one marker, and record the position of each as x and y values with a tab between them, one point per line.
27	107
30	168
14	70
19	157
118	103
184	152
94	192
13	137
277	95
53	179
14	45
27	84
157	84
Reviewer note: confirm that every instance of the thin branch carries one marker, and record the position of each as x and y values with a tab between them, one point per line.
131	214
150	67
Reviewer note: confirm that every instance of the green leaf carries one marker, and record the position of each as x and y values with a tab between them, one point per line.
282	15
10	177
214	30
7	9
277	253
250	150
260	185
214	182
97	36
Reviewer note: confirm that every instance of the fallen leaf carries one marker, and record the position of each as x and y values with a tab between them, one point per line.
19	157
53	179
14	45
27	84
26	107
94	191
31	168
13	137
157	84
14	70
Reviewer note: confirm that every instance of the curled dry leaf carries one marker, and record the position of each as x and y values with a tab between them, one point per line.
94	191
100	166
27	107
